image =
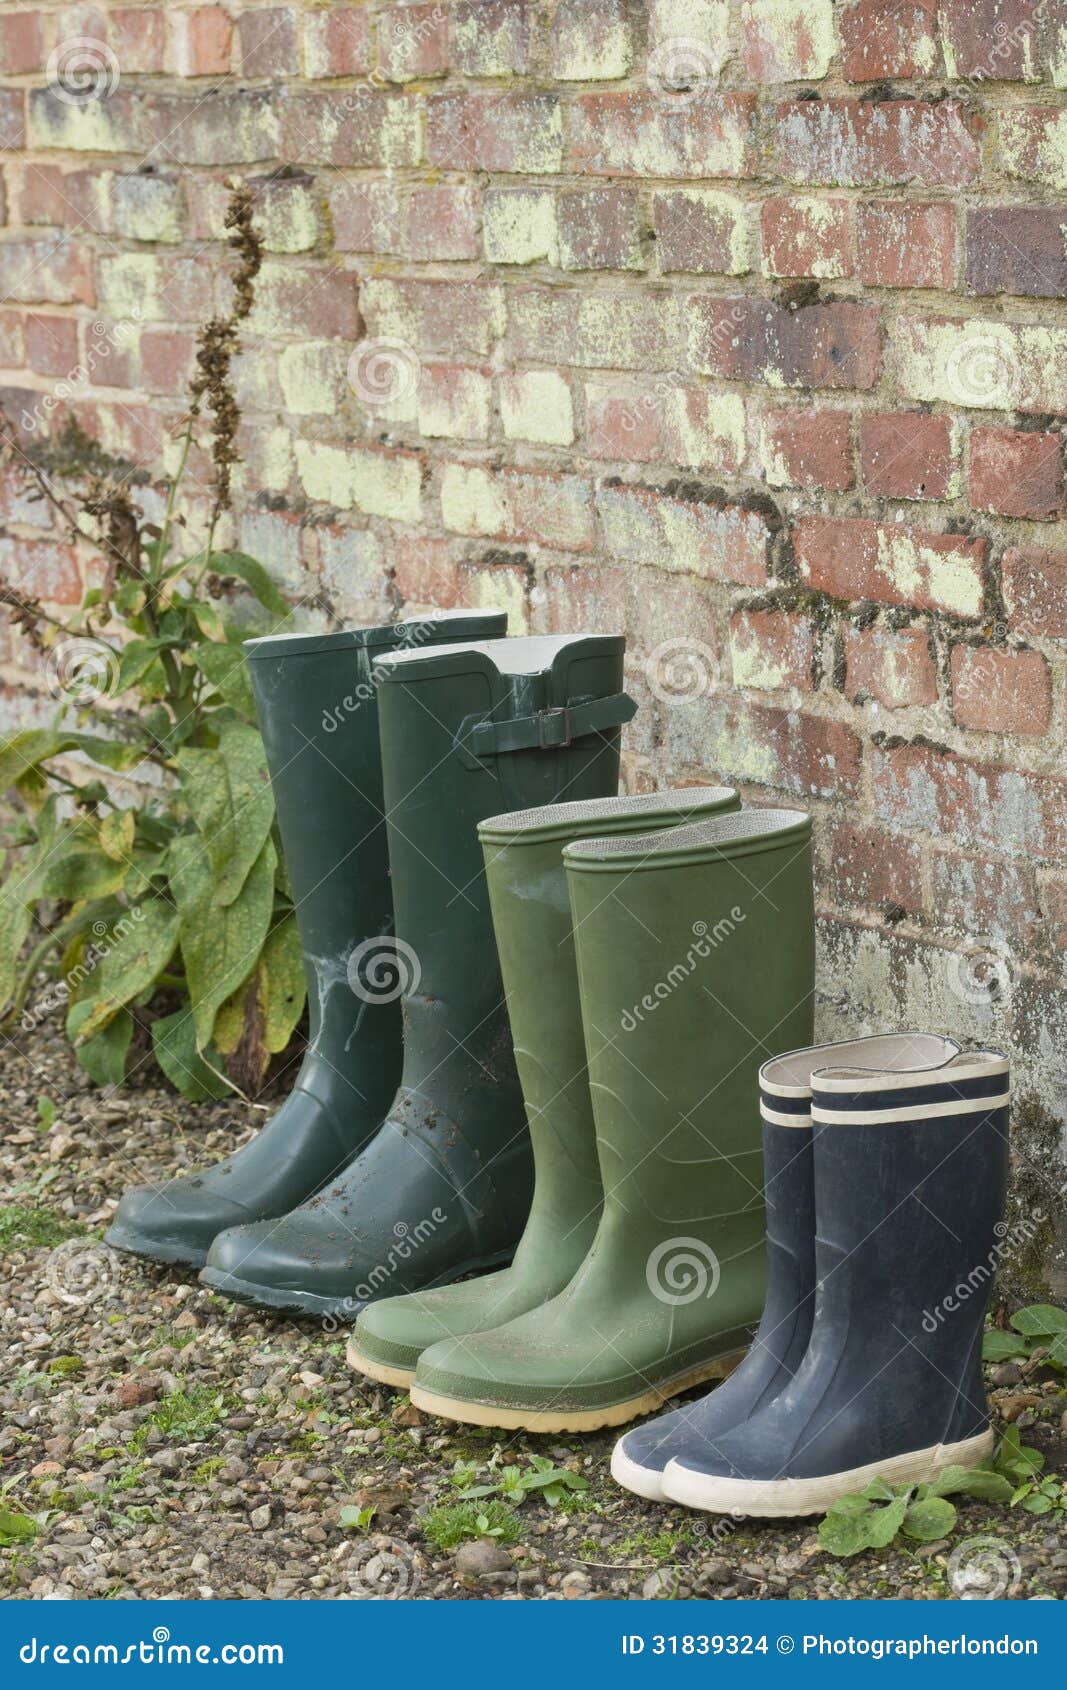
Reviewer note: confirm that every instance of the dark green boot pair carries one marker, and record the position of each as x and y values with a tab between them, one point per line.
648	975
401	1158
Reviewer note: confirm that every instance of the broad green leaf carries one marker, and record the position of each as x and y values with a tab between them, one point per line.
978	1482
230	798
220	943
253	575
116	834
15	1528
138	657
879	1491
1037	1504
1040	1320
113	754
1002	1346
139	948
223	664
284	984
174	1045
845	1533
24	750
104	1056
80	875
929	1519
1058	1352
885	1523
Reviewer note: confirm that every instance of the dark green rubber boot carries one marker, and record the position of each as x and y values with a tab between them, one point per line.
695	957
445	1187
532	922
316	700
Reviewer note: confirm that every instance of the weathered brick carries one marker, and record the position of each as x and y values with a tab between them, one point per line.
43	569
591	43
1016	473
855	558
269	41
863	865
880	42
690	426
292	299
520	132
908	455
519	226
148	207
313	376
434	316
454	402
65	198
984	896
787	40
51	343
12	120
982	364
361	127
413	42
991	40
893	666
200	42
146	288
833	346
771	649
379	483
554	510
490	37
536	405
366	216
679	531
982	806
857	143
595	329
806	237
337	42
424	571
1017	249
598	229
906	243
766	745
1034	584
1033	141
582	596
806	448
138	36
442	223
1001	691
701	230
632	134
689	35
495	584
168	359
22	42
45	269
12	347
1055	901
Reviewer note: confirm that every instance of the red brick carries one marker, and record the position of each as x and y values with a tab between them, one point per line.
984	896
337	42
771	648
1017	249
632	134
21	43
43	569
880	41
268	37
586	596
641	331
1034	584
982	806
808	449
1016	473
790	750
51	344
312	301
367	217
859	142
894	666
12	346
202	41
423	571
1032	144
554	510
991	40
678	530
138	37
442	222
45	269
854	558
12	118
230	126
906	244
598	229
782	44
378	128
506	131
864	865
908	455
490	37
998	691
168	359
623	426
834	346
435	316
697	231
806	237
413	42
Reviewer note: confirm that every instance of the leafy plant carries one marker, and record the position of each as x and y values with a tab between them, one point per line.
175	914
456	1522
515	1485
1036	1491
354	1519
1040	1333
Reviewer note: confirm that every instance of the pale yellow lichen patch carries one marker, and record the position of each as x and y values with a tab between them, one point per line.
752	666
275	459
981	364
312	377
705	429
1016	129
131	286
733	745
1058	57
88	127
519	226
797	36
499	589
325	473
587	54
471	500
536	405
288	218
950	579
387	486
454	404
703	21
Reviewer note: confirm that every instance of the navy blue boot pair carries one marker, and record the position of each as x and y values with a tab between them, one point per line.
885	1167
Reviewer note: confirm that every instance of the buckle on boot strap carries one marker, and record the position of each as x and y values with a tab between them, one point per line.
551	729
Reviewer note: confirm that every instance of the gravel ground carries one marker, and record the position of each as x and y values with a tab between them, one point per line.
166	1443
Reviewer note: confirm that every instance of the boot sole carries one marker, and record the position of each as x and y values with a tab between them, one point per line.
400	1377
787	1498
153	1250
253	1296
579	1420
643	1481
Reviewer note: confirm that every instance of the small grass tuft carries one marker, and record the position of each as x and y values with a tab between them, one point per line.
458	1522
26	1227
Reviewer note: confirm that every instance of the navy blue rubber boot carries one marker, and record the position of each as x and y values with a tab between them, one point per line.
640	1458
910	1182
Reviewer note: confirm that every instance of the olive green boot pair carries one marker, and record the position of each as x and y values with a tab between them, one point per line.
647	976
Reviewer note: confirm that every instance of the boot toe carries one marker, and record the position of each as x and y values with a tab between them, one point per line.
396	1331
172	1223
293	1263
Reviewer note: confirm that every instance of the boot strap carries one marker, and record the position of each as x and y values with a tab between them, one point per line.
548	730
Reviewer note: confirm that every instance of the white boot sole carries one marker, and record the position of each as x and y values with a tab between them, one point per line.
643	1481
784	1498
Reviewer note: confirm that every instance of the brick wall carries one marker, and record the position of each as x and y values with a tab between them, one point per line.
740	324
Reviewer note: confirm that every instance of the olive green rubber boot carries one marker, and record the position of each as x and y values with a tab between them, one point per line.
316	701
695	954
532	923
444	1188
